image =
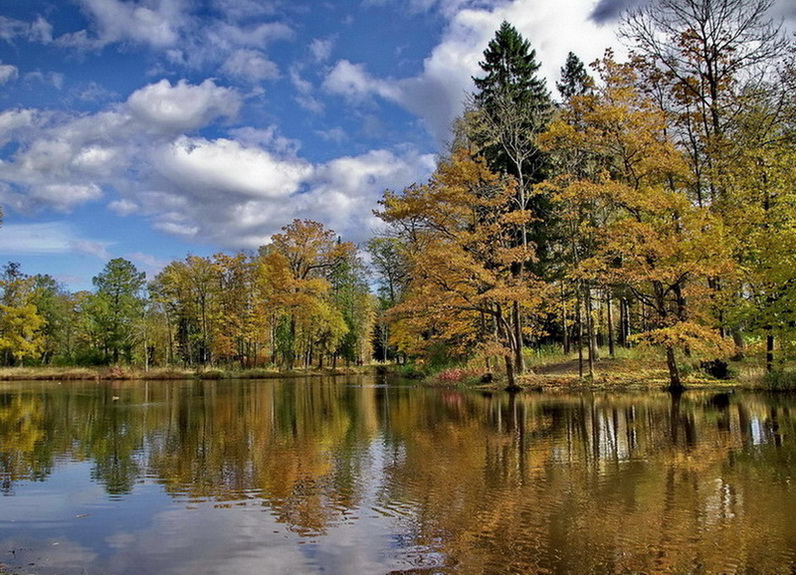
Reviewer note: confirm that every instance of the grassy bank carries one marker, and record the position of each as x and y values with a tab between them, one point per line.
160	374
629	369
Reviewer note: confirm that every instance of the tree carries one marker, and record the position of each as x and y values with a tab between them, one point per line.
760	208
388	259
54	304
20	321
575	80
656	243
700	53
460	229
189	291
294	281
118	306
511	107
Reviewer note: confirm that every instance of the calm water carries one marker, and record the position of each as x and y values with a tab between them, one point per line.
355	476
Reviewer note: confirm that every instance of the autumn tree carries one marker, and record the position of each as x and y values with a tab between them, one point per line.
293	279
189	291
510	107
656	243
701	53
389	262
760	208
235	332
461	228
20	320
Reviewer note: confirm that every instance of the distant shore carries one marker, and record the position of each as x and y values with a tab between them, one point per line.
163	374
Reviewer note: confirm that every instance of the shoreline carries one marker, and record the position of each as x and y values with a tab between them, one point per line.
171	374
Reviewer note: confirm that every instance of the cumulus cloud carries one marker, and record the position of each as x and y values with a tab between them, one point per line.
436	95
250	65
156	23
63	162
343	189
355	83
8	72
12	121
225	167
182	107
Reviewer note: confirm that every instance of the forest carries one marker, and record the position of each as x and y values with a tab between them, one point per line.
650	203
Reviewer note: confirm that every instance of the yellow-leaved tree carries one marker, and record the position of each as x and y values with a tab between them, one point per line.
652	240
460	230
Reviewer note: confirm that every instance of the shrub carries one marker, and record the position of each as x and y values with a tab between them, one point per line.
780	380
411	371
717	368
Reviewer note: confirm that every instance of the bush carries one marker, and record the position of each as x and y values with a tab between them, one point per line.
717	368
456	375
780	380
411	371
685	369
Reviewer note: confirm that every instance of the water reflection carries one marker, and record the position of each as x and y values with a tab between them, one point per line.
396	478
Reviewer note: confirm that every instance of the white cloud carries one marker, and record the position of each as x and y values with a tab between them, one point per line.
92	248
321	49
54	79
225	167
337	135
8	72
48	238
259	36
243	9
12	121
38	31
353	82
123	207
250	65
182	107
436	95
155	23
345	190
41	31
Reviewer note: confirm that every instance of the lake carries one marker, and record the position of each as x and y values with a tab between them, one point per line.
362	475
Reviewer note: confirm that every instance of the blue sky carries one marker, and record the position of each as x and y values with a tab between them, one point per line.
150	129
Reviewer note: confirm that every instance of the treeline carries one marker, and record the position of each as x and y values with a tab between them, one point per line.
300	301
653	203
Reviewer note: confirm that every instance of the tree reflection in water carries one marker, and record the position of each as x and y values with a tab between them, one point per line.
467	482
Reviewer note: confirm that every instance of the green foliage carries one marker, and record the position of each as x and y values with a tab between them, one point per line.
780	380
117	306
575	81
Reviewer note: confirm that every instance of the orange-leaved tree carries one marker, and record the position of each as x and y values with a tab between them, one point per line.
460	230
652	239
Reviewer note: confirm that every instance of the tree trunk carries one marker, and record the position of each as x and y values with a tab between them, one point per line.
579	320
590	334
519	358
564	327
740	345
511	382
769	352
675	385
610	316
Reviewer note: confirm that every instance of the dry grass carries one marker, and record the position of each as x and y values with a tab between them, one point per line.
160	374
